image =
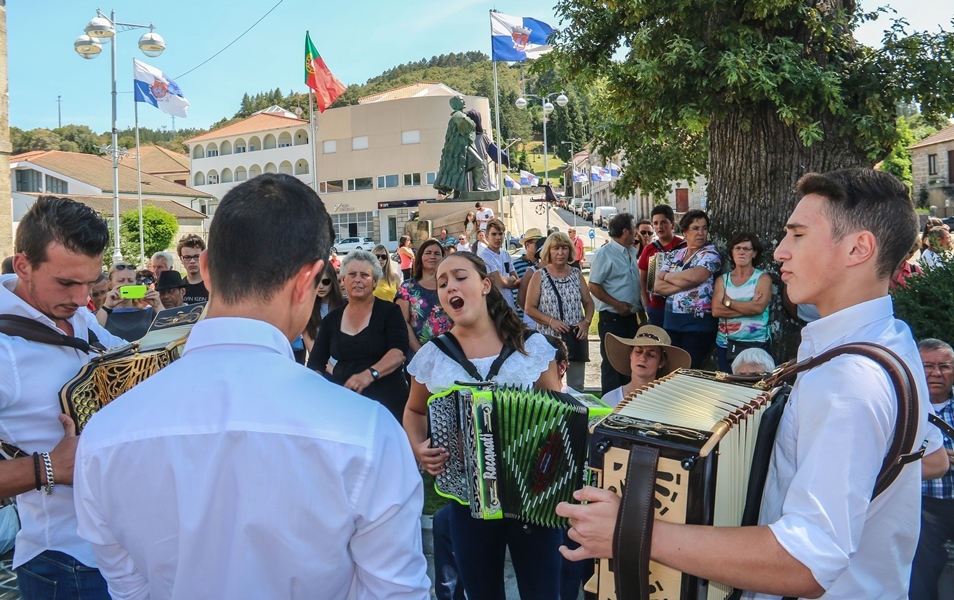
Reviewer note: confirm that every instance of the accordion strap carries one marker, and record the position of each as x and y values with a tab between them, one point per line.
634	525
33	331
449	345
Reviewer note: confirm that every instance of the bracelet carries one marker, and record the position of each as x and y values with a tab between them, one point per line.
106	309
549	324
36	468
48	464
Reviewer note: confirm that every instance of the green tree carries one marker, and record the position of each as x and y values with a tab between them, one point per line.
934	290
752	95
159	229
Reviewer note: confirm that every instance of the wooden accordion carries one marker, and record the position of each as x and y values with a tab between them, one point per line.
697	435
514	452
110	375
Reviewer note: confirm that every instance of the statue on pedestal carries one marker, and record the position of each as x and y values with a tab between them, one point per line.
462	167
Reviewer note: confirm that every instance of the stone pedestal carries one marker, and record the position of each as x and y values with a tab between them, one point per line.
449	214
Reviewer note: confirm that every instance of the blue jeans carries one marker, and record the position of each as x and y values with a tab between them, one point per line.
480	546
53	575
446	579
657	316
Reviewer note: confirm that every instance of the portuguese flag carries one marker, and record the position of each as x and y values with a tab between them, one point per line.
319	78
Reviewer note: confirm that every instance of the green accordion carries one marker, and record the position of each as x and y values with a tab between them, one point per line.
514	452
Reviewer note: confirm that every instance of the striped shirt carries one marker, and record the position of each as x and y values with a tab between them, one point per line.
942	488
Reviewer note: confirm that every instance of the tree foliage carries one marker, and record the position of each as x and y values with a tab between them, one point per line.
159	230
911	128
927	303
684	68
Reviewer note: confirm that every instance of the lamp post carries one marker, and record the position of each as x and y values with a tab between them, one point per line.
561	101
89	45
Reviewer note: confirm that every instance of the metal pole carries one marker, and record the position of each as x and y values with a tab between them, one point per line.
314	153
546	170
59	111
142	244
117	253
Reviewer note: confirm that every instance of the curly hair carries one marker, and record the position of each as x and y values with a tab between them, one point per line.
510	329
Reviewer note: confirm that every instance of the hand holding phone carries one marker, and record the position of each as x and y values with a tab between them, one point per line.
133	292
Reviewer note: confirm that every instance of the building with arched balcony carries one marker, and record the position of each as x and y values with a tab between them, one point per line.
376	161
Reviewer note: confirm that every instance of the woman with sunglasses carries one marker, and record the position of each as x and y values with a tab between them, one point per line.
328	298
483	324
127	318
392	277
423	313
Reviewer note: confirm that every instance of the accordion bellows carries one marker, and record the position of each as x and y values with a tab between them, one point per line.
514	452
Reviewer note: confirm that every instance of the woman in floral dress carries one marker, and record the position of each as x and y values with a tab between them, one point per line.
418	300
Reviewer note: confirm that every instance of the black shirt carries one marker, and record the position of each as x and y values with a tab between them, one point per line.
195	292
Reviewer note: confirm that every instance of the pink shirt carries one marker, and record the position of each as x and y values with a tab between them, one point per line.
578	244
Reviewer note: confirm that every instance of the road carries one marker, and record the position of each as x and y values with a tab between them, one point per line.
526	216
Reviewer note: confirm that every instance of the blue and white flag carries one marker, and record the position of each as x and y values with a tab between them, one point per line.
510	183
527	178
614	170
598	173
579	176
152	87
518	38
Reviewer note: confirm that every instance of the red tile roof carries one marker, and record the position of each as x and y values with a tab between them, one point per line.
157	160
255	123
944	135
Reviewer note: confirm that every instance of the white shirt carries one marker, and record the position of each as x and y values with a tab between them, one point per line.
500	261
483	216
613	397
237	473
31	376
832	438
463	247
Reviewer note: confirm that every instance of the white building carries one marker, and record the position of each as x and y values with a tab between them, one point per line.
376	161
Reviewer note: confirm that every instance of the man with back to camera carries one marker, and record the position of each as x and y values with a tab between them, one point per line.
820	532
189	249
279	483
59	254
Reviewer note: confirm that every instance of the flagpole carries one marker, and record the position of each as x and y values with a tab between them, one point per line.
499	168
142	245
311	126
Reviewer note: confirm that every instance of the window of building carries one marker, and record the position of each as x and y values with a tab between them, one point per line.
211	153
932	164
359	143
285	145
251	148
360	183
330	146
411	179
431	178
213	179
55	185
330	187
353	224
387	181
28	180
239	149
411	137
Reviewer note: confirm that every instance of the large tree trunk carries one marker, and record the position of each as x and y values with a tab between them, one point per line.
754	162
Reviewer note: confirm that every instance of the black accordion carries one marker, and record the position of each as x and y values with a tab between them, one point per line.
704	431
514	452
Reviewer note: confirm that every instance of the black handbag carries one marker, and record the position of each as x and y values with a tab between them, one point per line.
576	350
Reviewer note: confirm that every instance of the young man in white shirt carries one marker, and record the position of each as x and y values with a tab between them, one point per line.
499	264
262	479
484	216
820	533
59	255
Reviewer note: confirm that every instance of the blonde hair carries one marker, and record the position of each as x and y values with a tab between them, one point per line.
560	240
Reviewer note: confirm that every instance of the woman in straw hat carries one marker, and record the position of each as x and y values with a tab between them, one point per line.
646	357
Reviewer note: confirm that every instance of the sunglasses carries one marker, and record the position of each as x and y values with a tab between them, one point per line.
382	256
124	267
325	281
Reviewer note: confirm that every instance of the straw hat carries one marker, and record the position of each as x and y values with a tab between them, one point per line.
533	233
618	349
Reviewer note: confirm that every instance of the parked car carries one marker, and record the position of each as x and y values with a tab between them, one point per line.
588	214
602	214
353	243
585	207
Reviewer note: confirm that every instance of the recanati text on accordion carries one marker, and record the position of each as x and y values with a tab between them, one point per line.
513	452
705	431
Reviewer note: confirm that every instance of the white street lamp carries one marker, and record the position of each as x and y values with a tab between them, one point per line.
98	31
561	100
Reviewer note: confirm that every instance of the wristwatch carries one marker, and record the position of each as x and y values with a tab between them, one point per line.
374	373
728	303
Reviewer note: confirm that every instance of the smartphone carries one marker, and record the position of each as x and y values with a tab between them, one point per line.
133	292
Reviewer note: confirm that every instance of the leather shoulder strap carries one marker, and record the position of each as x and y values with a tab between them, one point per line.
33	331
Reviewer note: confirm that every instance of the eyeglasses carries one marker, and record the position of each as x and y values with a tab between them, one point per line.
382	256
944	368
124	267
186	259
145	281
647	335
743	249
325	281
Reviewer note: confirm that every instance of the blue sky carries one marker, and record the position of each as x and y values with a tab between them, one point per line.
358	40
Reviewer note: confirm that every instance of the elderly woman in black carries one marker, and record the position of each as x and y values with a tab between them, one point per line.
362	344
